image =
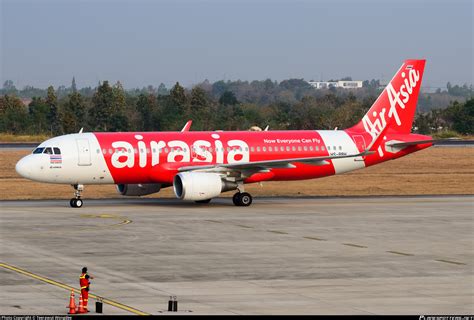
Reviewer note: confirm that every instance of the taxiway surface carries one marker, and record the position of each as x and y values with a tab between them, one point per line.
362	255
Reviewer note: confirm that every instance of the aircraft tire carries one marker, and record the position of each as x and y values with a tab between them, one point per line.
78	203
236	199
245	199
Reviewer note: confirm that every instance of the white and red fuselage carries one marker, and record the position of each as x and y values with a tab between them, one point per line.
236	157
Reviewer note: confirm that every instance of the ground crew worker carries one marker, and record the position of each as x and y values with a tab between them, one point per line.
85	283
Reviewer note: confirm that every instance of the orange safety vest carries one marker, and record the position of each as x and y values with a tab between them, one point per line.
83	282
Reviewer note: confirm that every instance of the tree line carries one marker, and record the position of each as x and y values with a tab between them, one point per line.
291	104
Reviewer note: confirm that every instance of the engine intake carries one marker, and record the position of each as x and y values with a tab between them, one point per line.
138	189
200	185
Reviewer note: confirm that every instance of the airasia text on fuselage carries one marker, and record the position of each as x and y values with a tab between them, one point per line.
125	154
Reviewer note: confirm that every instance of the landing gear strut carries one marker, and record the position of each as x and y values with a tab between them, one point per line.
242	199
77	202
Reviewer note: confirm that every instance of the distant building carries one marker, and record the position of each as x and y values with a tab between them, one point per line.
345	84
26	101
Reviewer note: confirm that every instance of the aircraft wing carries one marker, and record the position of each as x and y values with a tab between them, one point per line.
272	164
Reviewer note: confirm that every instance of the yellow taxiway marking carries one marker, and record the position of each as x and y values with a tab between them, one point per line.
354	245
452	262
315	238
106	216
65	286
401	253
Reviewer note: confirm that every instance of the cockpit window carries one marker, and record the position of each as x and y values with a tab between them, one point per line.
48	151
57	151
38	150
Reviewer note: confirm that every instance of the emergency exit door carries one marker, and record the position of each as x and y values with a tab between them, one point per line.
84	152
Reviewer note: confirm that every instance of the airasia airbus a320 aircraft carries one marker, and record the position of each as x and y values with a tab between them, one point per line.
202	165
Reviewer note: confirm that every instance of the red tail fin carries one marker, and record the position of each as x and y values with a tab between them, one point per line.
396	105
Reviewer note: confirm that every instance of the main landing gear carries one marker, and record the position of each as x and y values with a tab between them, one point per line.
242	199
77	202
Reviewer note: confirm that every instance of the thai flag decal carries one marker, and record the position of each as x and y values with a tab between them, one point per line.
55	159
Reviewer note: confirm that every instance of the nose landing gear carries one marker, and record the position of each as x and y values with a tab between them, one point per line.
77	202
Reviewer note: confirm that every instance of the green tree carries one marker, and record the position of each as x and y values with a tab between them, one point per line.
177	95
53	114
74	113
38	112
200	109
162	90
13	115
228	99
73	85
175	110
146	107
102	108
461	116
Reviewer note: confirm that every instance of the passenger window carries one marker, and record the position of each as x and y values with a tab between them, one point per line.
282	148
299	148
311	148
264	149
293	148
322	148
258	149
317	148
288	148
270	149
98	151
340	148
48	151
329	147
252	149
305	148
38	150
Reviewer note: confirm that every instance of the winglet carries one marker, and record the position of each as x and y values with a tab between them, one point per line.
80	131
187	126
266	128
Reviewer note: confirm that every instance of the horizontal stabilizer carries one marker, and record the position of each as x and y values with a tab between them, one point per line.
409	143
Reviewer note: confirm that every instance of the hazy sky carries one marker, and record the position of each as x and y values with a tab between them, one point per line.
147	42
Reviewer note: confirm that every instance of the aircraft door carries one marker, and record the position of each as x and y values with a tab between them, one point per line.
84	152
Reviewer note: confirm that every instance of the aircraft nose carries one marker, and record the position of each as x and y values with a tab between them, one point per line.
23	167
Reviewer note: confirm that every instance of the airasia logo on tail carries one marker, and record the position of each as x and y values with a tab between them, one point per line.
398	99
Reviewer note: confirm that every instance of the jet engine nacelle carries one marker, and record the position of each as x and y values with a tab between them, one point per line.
138	189
200	185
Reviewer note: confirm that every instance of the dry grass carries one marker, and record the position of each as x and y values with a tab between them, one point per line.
5	137
440	170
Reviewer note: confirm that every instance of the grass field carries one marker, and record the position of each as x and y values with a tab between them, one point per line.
437	170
